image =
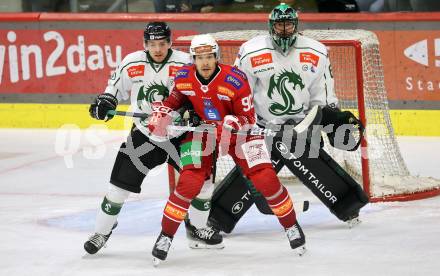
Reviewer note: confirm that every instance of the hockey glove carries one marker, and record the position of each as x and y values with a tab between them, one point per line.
231	122
103	104
340	118
159	120
224	129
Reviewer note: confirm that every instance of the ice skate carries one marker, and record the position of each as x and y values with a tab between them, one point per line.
297	239
353	220
203	238
97	241
161	247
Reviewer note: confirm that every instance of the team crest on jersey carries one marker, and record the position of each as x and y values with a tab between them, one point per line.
184	86
182	74
233	81
239	72
261	60
152	92
225	91
308	57
207	102
282	90
136	71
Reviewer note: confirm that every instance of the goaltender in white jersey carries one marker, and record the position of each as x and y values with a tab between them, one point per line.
286	84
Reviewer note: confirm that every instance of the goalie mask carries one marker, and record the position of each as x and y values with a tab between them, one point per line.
157	31
204	44
283	26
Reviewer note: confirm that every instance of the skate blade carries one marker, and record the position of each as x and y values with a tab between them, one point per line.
201	245
300	250
156	262
353	222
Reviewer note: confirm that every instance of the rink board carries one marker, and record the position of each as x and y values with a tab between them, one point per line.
405	122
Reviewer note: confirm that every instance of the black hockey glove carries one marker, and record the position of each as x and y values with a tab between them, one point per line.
340	118
102	104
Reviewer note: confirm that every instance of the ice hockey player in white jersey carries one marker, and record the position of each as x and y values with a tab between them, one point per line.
144	76
289	74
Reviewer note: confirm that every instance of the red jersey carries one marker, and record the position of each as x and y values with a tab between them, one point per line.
228	93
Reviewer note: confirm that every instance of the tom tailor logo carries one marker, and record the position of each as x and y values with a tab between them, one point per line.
261	60
135	71
184	86
309	58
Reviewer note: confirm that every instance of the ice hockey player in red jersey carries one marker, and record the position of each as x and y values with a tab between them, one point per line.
220	95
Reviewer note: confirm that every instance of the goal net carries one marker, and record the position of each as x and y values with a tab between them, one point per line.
359	82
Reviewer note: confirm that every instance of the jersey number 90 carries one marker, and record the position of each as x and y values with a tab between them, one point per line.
247	103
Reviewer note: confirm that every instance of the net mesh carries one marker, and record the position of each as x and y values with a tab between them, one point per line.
388	174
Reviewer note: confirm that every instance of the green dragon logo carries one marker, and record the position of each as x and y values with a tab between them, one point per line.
283	87
151	93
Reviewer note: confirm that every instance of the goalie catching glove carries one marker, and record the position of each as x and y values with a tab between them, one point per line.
340	118
102	105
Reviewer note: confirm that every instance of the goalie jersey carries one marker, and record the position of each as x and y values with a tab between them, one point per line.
138	77
287	86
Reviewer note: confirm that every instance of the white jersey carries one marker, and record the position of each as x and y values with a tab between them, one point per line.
142	80
138	77
287	86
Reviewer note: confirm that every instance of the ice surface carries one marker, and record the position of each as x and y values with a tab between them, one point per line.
48	204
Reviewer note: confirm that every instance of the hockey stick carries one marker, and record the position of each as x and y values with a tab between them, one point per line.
314	116
128	114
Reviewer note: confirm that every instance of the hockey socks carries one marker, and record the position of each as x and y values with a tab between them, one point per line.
201	205
282	207
174	213
268	184
110	207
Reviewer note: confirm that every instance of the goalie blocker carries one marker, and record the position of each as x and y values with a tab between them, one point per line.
342	195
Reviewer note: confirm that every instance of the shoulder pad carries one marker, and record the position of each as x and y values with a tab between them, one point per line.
234	80
180	56
133	57
307	42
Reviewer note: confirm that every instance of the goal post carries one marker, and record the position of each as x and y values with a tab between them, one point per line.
360	87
